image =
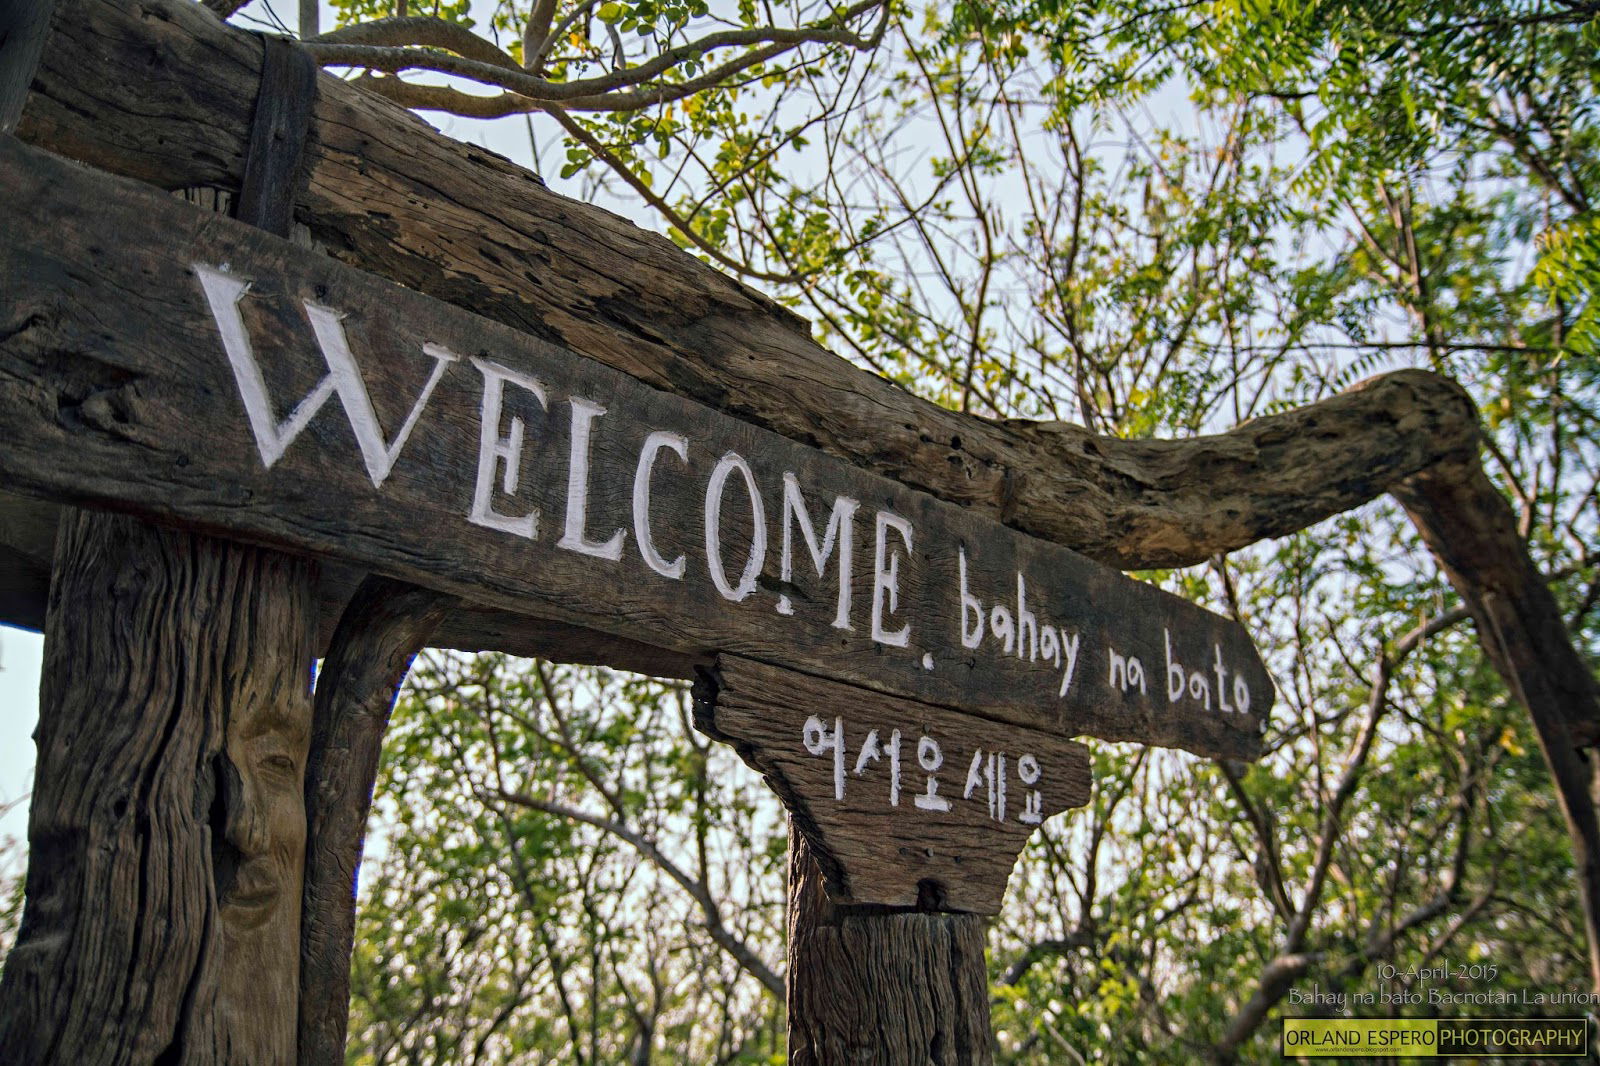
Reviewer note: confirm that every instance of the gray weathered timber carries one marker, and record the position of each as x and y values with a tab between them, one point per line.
442	452
167	829
161	90
223	633
884	827
878	987
24	27
28	531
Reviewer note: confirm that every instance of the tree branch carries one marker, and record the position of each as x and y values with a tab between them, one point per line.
1040	950
682	225
1275	980
1470	530
748	960
358	47
421	30
536	35
223	9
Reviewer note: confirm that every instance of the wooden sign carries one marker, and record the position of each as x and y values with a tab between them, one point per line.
904	805
162	360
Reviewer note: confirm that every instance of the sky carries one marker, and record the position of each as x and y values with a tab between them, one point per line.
20	655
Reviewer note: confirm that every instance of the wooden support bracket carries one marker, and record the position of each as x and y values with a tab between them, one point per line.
385	625
887	895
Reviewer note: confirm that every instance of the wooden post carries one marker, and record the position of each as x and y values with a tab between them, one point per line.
168	832
168	828
881	986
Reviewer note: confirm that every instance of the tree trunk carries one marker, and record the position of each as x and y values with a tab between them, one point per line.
167	832
876	986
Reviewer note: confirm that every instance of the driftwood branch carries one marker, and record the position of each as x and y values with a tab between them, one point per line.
1471	531
385	625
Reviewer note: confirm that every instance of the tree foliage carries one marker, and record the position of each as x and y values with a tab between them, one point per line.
1155	219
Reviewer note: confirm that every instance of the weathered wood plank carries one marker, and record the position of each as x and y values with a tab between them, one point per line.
27	536
24	28
904	805
160	90
272	175
438	447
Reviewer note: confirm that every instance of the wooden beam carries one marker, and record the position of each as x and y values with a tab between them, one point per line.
383	193
459	454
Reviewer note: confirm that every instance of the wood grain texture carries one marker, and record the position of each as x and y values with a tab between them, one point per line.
272	175
879	843
881	988
27	538
27	544
24	27
119	391
235	977
167	827
159	90
385	625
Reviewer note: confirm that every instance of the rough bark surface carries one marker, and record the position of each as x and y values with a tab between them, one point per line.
384	193
174	708
385	625
877	987
27	543
24	25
